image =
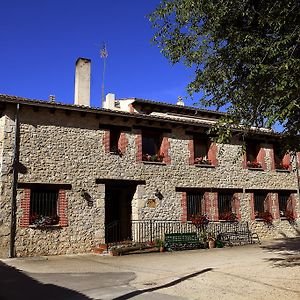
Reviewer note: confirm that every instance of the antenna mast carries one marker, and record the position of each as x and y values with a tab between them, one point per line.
104	55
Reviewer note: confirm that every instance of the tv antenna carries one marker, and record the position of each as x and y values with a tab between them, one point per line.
103	55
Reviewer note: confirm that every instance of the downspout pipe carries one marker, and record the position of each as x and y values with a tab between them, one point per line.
13	222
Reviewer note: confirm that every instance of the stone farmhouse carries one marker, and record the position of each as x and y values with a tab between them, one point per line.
70	171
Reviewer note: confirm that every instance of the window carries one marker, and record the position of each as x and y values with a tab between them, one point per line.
201	149
194	204
151	144
43	207
260	204
283	199
114	138
252	155
225	206
280	158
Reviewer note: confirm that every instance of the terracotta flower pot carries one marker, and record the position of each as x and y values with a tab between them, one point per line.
211	244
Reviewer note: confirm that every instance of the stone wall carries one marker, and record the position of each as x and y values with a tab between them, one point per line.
60	148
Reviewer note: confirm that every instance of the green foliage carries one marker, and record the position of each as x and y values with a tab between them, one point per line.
245	55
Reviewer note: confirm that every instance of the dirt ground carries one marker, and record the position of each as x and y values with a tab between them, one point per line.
268	271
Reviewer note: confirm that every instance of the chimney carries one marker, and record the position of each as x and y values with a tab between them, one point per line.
82	81
180	101
52	98
110	101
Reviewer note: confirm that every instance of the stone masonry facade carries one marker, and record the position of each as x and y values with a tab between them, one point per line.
60	146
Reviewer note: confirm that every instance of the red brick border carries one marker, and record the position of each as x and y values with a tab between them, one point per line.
164	150
62	208
25	206
215	216
252	206
192	152
184	207
212	153
138	143
106	140
123	142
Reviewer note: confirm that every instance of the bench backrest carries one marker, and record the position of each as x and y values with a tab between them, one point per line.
187	237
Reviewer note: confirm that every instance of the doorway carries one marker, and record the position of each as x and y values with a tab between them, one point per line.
118	212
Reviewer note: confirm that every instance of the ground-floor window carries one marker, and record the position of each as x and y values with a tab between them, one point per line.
260	206
194	204
43	207
283	200
225	205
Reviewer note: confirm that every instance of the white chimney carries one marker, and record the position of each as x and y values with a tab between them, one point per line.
180	101
110	101
82	81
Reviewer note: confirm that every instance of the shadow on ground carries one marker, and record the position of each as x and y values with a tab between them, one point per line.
15	285
287	250
172	283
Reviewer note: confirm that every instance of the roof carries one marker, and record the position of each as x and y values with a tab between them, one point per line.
141	116
190	110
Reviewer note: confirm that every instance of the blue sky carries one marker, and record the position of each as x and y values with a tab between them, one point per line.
41	40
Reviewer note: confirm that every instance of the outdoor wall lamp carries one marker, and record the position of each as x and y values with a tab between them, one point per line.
85	195
158	194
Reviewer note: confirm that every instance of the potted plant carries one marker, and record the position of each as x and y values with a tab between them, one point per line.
160	244
282	166
43	221
228	216
266	216
254	164
199	220
154	158
290	216
211	241
202	161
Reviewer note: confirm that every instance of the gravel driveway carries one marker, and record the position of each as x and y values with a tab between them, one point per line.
268	271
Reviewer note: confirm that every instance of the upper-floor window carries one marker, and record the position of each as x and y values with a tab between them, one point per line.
252	155
151	146
114	138
281	159
201	150
43	207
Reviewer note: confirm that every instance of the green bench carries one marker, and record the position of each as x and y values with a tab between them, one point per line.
182	241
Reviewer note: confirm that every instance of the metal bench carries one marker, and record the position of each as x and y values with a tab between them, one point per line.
182	241
238	238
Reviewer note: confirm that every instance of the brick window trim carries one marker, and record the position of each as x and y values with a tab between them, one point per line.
164	149
211	154
62	206
122	143
268	206
261	158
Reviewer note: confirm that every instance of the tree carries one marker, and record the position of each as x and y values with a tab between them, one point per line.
245	56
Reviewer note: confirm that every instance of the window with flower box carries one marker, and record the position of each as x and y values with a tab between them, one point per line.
201	150
285	207
151	146
195	202
254	155
281	158
225	206
43	207
260	204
